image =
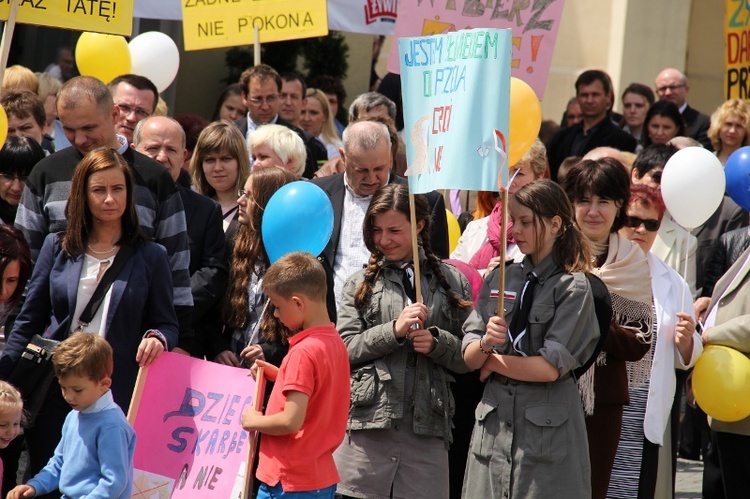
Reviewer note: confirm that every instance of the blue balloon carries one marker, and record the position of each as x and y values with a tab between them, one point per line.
737	172
298	217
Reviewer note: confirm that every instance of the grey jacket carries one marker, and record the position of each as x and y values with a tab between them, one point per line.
379	360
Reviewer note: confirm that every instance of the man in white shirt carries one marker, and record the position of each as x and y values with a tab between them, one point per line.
261	87
366	154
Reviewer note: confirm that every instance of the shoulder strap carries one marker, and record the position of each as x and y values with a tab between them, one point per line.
603	310
121	258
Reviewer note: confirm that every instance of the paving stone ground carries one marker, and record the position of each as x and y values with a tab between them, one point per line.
689	477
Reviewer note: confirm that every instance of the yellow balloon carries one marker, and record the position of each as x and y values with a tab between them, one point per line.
102	56
3	126
454	230
525	120
721	383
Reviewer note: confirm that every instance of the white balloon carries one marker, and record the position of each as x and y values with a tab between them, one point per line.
692	186
155	56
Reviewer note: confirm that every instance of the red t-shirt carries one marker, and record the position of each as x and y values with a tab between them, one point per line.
317	365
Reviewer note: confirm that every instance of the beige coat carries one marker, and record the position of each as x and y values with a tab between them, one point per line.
732	325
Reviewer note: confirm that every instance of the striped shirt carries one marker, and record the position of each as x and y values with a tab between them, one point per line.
160	211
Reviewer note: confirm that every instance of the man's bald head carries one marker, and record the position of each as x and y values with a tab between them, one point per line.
83	89
367	156
162	139
87	113
671	85
603	152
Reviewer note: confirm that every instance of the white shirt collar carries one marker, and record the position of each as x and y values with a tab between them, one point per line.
124	144
102	404
251	125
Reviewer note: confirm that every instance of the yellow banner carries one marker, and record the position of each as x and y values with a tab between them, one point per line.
736	50
101	16
208	24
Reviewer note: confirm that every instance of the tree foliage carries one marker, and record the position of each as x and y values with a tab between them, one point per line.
326	55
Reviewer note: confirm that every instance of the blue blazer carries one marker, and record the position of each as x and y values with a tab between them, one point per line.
141	299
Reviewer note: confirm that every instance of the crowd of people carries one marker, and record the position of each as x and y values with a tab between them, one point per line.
568	378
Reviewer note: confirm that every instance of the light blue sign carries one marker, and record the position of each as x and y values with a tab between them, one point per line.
456	92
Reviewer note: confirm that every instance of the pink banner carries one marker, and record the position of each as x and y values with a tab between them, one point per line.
534	24
189	437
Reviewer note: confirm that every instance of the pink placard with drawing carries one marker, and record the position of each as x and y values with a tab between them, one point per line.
534	24
189	438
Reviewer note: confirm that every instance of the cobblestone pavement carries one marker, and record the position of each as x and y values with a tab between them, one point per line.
689	477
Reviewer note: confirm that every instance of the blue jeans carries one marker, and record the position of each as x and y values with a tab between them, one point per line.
276	492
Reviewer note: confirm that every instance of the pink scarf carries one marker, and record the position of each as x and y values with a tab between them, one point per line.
494	245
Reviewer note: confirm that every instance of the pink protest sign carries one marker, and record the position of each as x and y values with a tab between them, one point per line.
534	24
190	443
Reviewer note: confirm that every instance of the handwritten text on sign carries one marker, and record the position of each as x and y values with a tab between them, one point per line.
455	91
226	23
101	16
534	24
737	50
188	425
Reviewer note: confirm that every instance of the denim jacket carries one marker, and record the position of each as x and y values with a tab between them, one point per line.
379	360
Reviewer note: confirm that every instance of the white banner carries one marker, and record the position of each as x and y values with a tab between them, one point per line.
158	9
375	17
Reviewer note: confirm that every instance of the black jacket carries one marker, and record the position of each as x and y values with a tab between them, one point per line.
697	125
607	135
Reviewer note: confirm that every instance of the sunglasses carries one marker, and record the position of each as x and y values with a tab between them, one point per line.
649	224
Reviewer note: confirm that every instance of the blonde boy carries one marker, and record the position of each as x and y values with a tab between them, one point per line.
306	415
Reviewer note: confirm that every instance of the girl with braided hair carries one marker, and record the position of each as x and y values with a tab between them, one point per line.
401	353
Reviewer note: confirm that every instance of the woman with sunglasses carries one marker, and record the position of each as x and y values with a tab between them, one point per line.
673	244
676	346
600	191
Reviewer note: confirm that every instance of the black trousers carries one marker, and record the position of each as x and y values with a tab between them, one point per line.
734	461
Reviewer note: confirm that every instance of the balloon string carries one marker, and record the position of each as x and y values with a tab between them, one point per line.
512	178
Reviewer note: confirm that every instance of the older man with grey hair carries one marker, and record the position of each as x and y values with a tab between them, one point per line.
163	140
372	104
366	154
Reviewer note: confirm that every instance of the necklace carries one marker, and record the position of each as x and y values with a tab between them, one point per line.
106	252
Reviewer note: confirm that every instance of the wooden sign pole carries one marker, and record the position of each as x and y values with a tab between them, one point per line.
10	26
256	45
260	389
415	249
504	239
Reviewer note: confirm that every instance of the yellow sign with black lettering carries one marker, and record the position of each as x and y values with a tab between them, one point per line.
208	24
101	16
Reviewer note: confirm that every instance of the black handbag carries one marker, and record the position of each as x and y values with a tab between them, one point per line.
33	375
34	372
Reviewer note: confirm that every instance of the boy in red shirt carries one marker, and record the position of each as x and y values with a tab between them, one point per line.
305	419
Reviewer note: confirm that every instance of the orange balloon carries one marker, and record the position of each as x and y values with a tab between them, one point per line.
525	120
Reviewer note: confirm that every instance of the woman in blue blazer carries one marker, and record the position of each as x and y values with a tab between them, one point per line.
136	316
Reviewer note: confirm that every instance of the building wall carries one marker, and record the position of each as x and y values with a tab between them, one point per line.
635	39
